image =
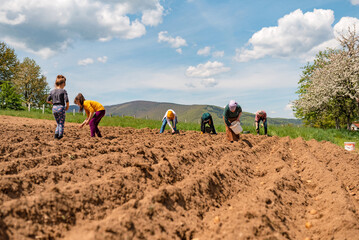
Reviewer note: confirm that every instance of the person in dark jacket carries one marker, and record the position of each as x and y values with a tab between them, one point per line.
207	119
232	112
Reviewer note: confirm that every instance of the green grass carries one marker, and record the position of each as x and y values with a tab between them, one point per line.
332	135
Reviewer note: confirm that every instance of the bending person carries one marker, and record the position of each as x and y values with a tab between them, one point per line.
207	119
170	116
94	111
232	112
261	116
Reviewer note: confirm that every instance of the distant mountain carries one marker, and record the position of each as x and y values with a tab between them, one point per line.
185	113
72	107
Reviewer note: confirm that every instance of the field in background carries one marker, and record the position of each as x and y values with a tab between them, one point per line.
332	135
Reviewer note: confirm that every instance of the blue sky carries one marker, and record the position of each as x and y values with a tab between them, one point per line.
180	51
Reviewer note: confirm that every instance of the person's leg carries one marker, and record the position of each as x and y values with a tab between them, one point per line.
62	115
56	113
92	125
99	115
211	124
265	127
164	123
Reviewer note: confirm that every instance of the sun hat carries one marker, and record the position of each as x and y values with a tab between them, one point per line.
170	115
232	105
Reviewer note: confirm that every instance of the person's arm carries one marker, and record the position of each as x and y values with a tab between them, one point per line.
49	99
225	115
175	122
202	126
66	98
169	123
87	120
239	115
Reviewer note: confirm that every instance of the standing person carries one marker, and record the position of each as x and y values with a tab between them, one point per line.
94	111
232	112
170	116
58	98
261	115
207	119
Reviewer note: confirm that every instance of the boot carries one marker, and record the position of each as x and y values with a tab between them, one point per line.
56	135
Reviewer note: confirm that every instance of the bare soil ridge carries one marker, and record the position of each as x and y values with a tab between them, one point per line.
138	184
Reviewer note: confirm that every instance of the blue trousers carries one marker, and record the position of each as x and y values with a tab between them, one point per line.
264	125
164	123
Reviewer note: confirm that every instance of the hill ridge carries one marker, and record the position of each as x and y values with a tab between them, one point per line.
187	113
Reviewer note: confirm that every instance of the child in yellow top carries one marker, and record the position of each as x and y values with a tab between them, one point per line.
94	111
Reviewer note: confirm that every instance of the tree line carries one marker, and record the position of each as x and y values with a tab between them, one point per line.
21	83
329	87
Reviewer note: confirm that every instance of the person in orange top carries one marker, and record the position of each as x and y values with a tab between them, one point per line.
94	111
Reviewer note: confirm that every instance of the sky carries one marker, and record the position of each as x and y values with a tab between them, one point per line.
179	51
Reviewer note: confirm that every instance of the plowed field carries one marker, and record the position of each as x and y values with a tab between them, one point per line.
138	184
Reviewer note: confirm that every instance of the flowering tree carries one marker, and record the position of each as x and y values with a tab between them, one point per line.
332	86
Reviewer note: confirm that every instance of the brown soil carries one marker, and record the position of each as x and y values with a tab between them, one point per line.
138	184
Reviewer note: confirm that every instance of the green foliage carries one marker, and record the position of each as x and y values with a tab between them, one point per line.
313	118
31	84
8	63
9	99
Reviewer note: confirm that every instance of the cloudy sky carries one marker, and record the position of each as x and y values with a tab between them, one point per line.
180	51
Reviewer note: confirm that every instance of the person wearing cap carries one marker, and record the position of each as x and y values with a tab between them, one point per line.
207	119
261	115
232	112
170	116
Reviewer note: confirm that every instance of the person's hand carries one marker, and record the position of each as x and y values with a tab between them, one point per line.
262	125
173	131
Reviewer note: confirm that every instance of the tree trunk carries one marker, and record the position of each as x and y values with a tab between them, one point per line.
348	122
337	123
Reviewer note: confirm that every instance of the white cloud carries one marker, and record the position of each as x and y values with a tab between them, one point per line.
102	59
20	18
296	33
176	42
341	28
204	51
206	70
44	24
355	2
85	61
209	82
153	17
289	107
218	54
